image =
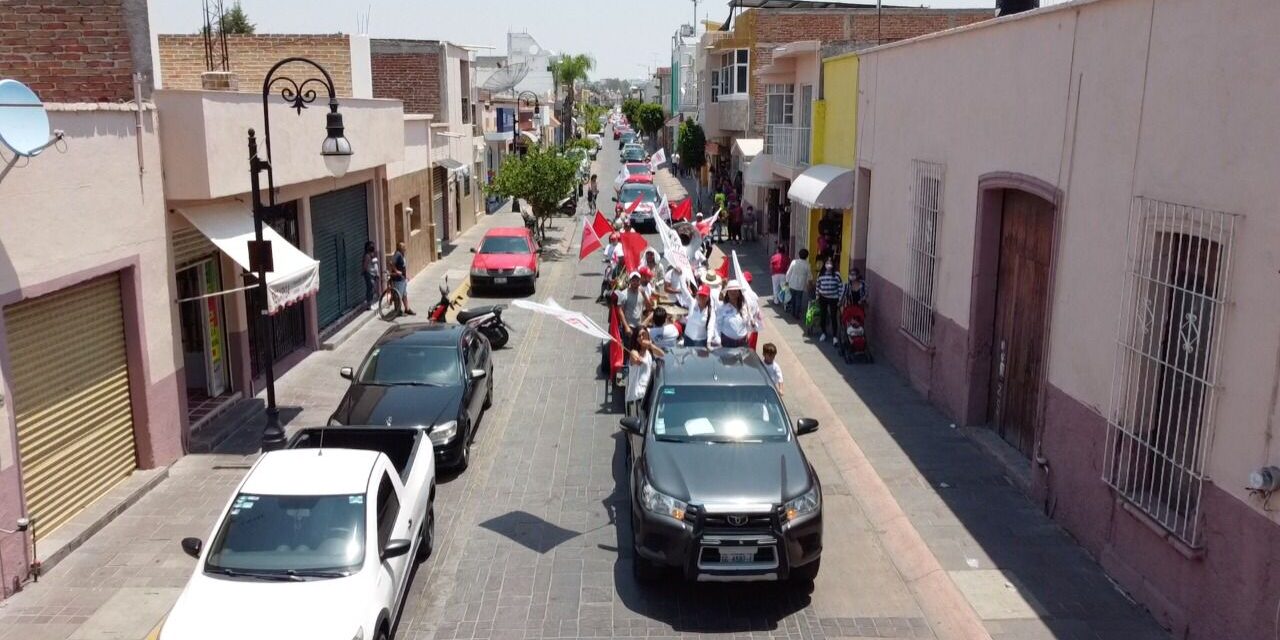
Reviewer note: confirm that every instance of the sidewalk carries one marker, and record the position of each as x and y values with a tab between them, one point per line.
1022	574
122	580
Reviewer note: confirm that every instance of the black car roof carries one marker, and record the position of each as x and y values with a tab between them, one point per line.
690	366
424	333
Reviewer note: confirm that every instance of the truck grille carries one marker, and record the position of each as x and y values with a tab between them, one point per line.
737	520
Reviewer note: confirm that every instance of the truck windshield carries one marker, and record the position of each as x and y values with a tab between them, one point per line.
290	535
393	364
719	414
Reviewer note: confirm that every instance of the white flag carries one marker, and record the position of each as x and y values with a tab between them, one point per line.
673	250
658	159
621	179
575	319
750	301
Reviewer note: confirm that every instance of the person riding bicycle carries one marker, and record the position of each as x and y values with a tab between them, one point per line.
399	279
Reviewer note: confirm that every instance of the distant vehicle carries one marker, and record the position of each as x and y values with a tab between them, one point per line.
720	488
634	153
315	543
642	215
436	377
628	137
506	257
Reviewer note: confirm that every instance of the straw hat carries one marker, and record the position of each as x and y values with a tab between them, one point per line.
733	285
711	279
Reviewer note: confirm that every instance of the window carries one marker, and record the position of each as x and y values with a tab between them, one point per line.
399	219
415	214
1166	371
466	185
466	110
917	307
411	364
780	103
276	534
732	73
715	85
388	510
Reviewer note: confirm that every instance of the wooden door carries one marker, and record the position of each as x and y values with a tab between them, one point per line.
1022	290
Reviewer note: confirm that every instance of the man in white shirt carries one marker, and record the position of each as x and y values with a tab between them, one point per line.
665	333
798	276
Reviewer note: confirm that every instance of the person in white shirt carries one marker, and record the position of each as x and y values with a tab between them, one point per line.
768	353
731	317
663	331
798	276
640	370
612	258
698	323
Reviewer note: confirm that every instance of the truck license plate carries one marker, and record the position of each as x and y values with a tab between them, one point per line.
737	555
499	280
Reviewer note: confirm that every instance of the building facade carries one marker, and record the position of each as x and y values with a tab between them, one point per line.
89	363
1070	248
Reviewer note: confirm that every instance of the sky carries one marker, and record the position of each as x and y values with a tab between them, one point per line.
627	39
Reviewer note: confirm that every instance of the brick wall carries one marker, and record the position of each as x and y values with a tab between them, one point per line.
408	71
68	50
182	58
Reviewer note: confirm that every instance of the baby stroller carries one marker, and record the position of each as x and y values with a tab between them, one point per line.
854	343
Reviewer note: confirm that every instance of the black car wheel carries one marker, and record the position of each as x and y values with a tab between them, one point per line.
488	396
427	543
464	454
807	573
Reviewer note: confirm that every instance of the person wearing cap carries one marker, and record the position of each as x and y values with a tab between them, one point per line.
634	303
731	318
697	325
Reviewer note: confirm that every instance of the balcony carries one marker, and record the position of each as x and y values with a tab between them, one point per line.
788	145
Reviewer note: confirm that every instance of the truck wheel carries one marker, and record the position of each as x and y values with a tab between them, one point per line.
807	573
427	543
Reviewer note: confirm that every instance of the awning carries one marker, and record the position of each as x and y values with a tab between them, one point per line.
823	186
530	136
673	121
230	227
748	147
498	137
450	164
759	172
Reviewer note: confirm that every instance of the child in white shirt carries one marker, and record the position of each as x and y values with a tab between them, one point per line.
769	352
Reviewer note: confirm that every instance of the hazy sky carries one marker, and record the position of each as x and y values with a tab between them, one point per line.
626	38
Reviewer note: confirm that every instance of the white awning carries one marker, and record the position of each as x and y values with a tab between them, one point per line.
823	186
450	164
748	147
498	137
230	227
530	136
759	172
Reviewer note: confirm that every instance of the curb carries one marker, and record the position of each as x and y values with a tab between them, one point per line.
949	614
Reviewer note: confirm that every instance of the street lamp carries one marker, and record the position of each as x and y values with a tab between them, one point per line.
336	151
515	131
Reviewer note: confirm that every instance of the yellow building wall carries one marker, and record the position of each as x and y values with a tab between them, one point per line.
834	140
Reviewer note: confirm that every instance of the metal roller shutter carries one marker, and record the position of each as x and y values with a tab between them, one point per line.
189	245
71	399
340	227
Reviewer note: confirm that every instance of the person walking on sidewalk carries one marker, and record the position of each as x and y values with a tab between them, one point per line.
778	271
372	276
593	191
798	276
400	279
828	287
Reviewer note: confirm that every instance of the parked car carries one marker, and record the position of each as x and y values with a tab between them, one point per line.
720	488
314	543
506	257
437	377
642	215
634	153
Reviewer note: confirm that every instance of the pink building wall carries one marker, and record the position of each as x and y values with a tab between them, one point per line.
1100	101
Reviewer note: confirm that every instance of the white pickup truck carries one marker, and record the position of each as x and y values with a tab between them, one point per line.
317	542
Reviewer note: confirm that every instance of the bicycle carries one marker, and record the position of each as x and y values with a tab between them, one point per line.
390	304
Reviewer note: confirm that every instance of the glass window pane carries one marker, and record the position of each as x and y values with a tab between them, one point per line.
411	364
742	56
742	79
275	534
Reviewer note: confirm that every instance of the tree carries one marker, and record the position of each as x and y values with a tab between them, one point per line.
691	144
541	177
568	71
650	117
630	108
235	20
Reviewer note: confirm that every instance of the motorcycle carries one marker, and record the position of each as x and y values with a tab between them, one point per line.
487	319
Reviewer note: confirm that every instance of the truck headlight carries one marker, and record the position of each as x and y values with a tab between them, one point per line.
661	504
444	432
806	504
523	271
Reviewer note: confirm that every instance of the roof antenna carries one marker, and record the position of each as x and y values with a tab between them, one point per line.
320	449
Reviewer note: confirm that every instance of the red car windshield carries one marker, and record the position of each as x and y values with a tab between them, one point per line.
505	244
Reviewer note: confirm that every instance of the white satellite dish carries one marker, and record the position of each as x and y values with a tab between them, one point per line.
24	125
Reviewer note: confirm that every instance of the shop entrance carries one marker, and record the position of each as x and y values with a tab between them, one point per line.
203	326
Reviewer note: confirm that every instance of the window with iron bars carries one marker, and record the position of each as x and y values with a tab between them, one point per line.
922	251
715	85
1165	377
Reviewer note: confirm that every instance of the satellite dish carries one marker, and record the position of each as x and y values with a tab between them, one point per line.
24	125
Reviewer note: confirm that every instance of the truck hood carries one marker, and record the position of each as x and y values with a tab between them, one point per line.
213	608
701	473
399	406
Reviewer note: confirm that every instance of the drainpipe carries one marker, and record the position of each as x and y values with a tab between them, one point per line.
137	123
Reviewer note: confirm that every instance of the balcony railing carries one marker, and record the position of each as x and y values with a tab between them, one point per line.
787	145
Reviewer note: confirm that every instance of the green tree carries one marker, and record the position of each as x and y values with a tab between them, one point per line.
569	70
541	177
650	117
235	20
691	144
630	109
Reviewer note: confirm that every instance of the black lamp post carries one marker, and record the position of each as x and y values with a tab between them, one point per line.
336	151
515	131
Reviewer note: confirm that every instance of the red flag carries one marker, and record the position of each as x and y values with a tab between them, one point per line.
633	246
683	210
704	227
724	268
632	207
593	235
616	352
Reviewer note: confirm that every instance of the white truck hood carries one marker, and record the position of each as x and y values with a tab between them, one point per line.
213	608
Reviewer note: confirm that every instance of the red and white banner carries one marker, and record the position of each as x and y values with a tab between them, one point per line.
658	159
632	207
750	301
